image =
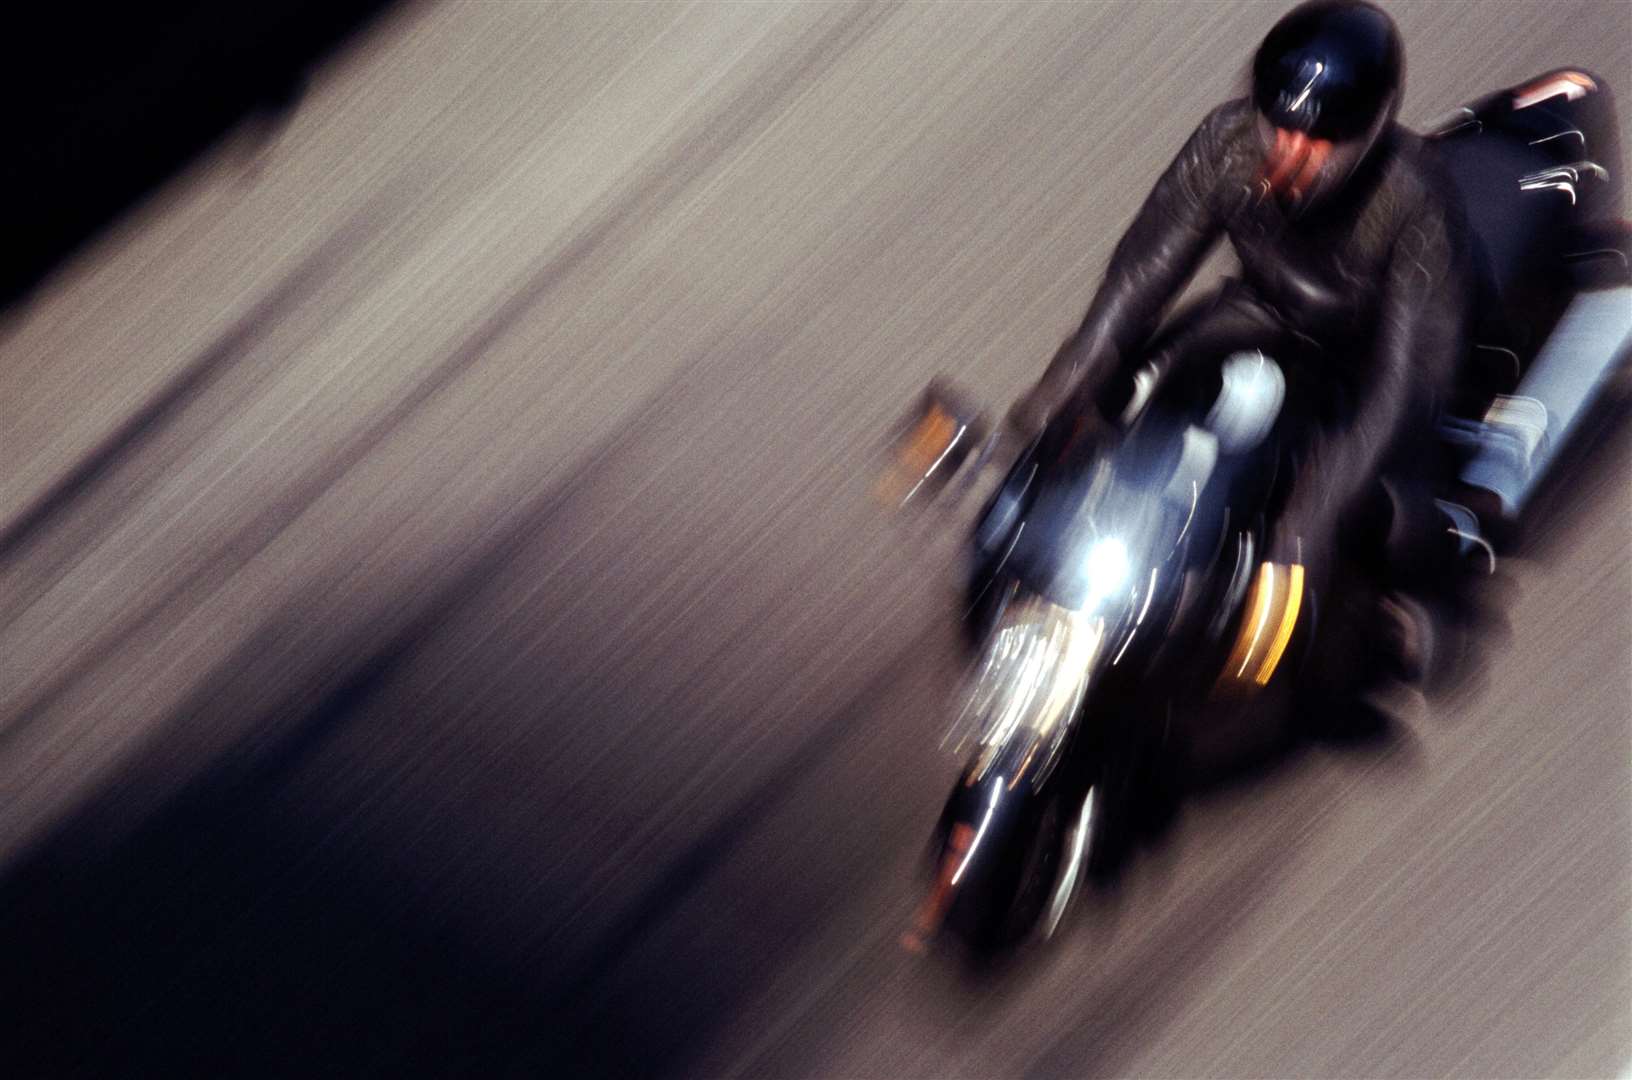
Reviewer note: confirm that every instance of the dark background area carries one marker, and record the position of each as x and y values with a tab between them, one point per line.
104	101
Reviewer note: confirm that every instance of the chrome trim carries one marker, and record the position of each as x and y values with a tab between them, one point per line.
1518	368
974	845
1066	887
1562	178
1023	696
1559	135
1595	252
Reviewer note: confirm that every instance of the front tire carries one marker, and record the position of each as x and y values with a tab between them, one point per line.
1005	875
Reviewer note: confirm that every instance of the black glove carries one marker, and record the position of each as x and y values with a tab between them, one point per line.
1030	413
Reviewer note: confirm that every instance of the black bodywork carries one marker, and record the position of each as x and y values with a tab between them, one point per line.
1191	527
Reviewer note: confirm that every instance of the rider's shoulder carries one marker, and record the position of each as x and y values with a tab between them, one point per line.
1417	175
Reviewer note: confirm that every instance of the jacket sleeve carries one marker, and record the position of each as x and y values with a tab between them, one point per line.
1171	234
1421	334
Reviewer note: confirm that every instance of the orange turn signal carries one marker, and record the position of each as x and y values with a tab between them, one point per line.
1272	615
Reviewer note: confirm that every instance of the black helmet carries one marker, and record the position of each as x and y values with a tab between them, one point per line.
1331	69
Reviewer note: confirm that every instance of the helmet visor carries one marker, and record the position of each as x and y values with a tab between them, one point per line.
1316	97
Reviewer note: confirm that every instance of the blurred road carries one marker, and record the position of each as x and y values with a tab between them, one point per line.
444	627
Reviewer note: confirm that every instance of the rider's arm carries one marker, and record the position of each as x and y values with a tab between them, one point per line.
1173	231
1420	336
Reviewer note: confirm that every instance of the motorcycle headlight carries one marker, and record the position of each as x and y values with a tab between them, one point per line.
1106	567
1022	698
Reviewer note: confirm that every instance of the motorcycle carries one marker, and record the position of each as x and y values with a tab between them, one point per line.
1120	611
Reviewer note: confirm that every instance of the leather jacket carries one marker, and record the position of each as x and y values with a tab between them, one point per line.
1376	282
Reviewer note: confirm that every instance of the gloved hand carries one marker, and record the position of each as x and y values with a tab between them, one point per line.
1030	412
1053	395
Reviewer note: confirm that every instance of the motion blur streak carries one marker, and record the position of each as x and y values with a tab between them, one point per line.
445	626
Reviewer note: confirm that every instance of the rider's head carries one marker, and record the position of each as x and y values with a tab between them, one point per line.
1326	83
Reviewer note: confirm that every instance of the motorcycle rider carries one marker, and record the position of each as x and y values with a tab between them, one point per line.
1354	277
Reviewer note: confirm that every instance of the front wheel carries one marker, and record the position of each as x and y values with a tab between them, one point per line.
1004	852
1081	852
1009	860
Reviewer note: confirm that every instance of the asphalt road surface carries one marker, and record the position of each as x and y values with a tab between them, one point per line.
445	628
